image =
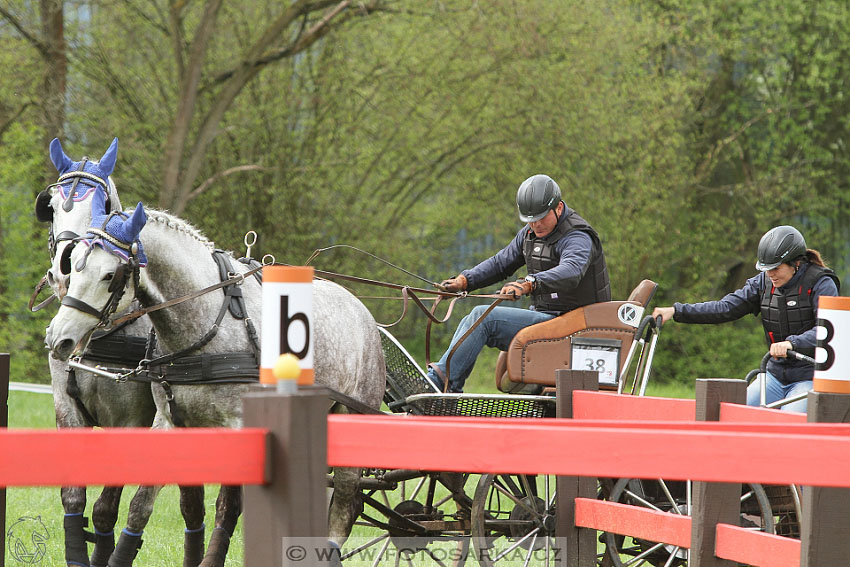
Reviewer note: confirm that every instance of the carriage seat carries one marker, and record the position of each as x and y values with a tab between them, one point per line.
536	352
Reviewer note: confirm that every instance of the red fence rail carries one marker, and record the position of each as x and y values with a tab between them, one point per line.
286	468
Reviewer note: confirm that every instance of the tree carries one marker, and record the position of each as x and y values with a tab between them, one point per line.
49	44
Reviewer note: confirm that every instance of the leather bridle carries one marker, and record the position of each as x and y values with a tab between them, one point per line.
117	286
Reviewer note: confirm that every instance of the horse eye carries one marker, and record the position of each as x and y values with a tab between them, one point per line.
108	277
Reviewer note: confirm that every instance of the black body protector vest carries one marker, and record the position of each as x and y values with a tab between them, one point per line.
540	256
792	312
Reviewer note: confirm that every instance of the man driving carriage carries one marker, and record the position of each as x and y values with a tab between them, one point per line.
566	270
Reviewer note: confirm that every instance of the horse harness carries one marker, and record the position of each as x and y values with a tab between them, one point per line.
182	367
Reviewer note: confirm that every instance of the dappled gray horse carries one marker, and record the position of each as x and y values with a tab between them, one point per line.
80	398
167	260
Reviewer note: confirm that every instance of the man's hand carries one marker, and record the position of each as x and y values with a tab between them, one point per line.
454	285
517	289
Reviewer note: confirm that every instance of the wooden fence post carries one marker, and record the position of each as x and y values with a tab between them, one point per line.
714	502
577	545
826	511
4	421
286	519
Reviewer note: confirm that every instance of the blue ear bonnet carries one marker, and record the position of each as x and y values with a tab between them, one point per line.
89	174
117	232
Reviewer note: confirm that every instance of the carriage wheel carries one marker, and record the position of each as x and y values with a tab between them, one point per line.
785	503
673	497
423	521
513	520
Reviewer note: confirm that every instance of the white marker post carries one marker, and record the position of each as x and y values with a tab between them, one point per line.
832	372
287	325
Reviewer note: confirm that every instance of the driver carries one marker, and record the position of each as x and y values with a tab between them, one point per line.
566	270
785	292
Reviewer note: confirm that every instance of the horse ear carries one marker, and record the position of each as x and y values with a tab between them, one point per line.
61	162
98	204
107	162
136	222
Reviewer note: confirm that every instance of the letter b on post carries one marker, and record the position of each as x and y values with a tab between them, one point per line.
287	319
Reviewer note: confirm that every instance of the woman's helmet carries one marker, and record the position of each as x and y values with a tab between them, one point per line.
778	245
537	195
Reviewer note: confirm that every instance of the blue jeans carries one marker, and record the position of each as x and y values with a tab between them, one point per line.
495	331
776	390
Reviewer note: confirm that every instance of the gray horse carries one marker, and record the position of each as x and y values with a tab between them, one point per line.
82	399
170	259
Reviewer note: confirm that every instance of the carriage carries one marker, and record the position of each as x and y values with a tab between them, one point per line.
443	518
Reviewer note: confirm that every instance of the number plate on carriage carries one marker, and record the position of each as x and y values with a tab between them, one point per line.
602	355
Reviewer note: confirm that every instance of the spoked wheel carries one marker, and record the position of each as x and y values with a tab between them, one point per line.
513	520
412	518
673	497
785	504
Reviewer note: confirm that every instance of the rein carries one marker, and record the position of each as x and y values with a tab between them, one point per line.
233	280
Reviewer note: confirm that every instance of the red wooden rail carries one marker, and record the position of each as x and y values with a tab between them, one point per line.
605	405
741	414
132	456
673	529
732	542
816	454
756	548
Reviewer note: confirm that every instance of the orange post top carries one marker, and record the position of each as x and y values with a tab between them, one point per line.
834	302
288	274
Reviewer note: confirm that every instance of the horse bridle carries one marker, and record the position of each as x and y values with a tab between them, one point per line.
44	213
120	278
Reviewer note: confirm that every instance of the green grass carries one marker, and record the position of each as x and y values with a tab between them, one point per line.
163	538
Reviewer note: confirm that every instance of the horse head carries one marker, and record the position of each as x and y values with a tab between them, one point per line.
104	268
62	204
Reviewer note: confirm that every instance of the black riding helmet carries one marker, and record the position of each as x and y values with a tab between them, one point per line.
778	245
537	195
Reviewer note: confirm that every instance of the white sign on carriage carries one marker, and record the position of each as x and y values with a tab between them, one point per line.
287	319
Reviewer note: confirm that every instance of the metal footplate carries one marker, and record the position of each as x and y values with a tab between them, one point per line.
482	405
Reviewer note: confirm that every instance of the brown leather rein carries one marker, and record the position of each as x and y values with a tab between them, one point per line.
408	293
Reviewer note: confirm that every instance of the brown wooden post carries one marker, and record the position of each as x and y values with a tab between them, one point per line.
577	546
826	511
286	519
4	421
714	502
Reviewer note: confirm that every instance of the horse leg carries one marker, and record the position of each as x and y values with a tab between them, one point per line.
104	516
345	504
228	507
192	508
141	508
74	504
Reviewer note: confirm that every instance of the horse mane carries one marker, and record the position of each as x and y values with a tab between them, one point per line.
172	222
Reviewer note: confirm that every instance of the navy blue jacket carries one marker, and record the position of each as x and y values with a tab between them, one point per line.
574	251
747	300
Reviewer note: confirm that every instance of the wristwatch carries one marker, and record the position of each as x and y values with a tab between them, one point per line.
532	280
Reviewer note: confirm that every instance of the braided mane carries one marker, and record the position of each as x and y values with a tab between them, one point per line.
180	225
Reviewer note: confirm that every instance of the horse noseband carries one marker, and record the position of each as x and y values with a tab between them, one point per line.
117	288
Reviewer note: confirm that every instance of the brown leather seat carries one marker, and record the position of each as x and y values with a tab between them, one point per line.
536	352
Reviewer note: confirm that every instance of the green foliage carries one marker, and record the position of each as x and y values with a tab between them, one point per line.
682	131
23	257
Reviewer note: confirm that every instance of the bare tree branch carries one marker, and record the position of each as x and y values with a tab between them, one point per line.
6	124
39	45
209	182
178	198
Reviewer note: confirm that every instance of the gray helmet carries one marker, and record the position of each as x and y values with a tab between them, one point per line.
778	245
537	195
